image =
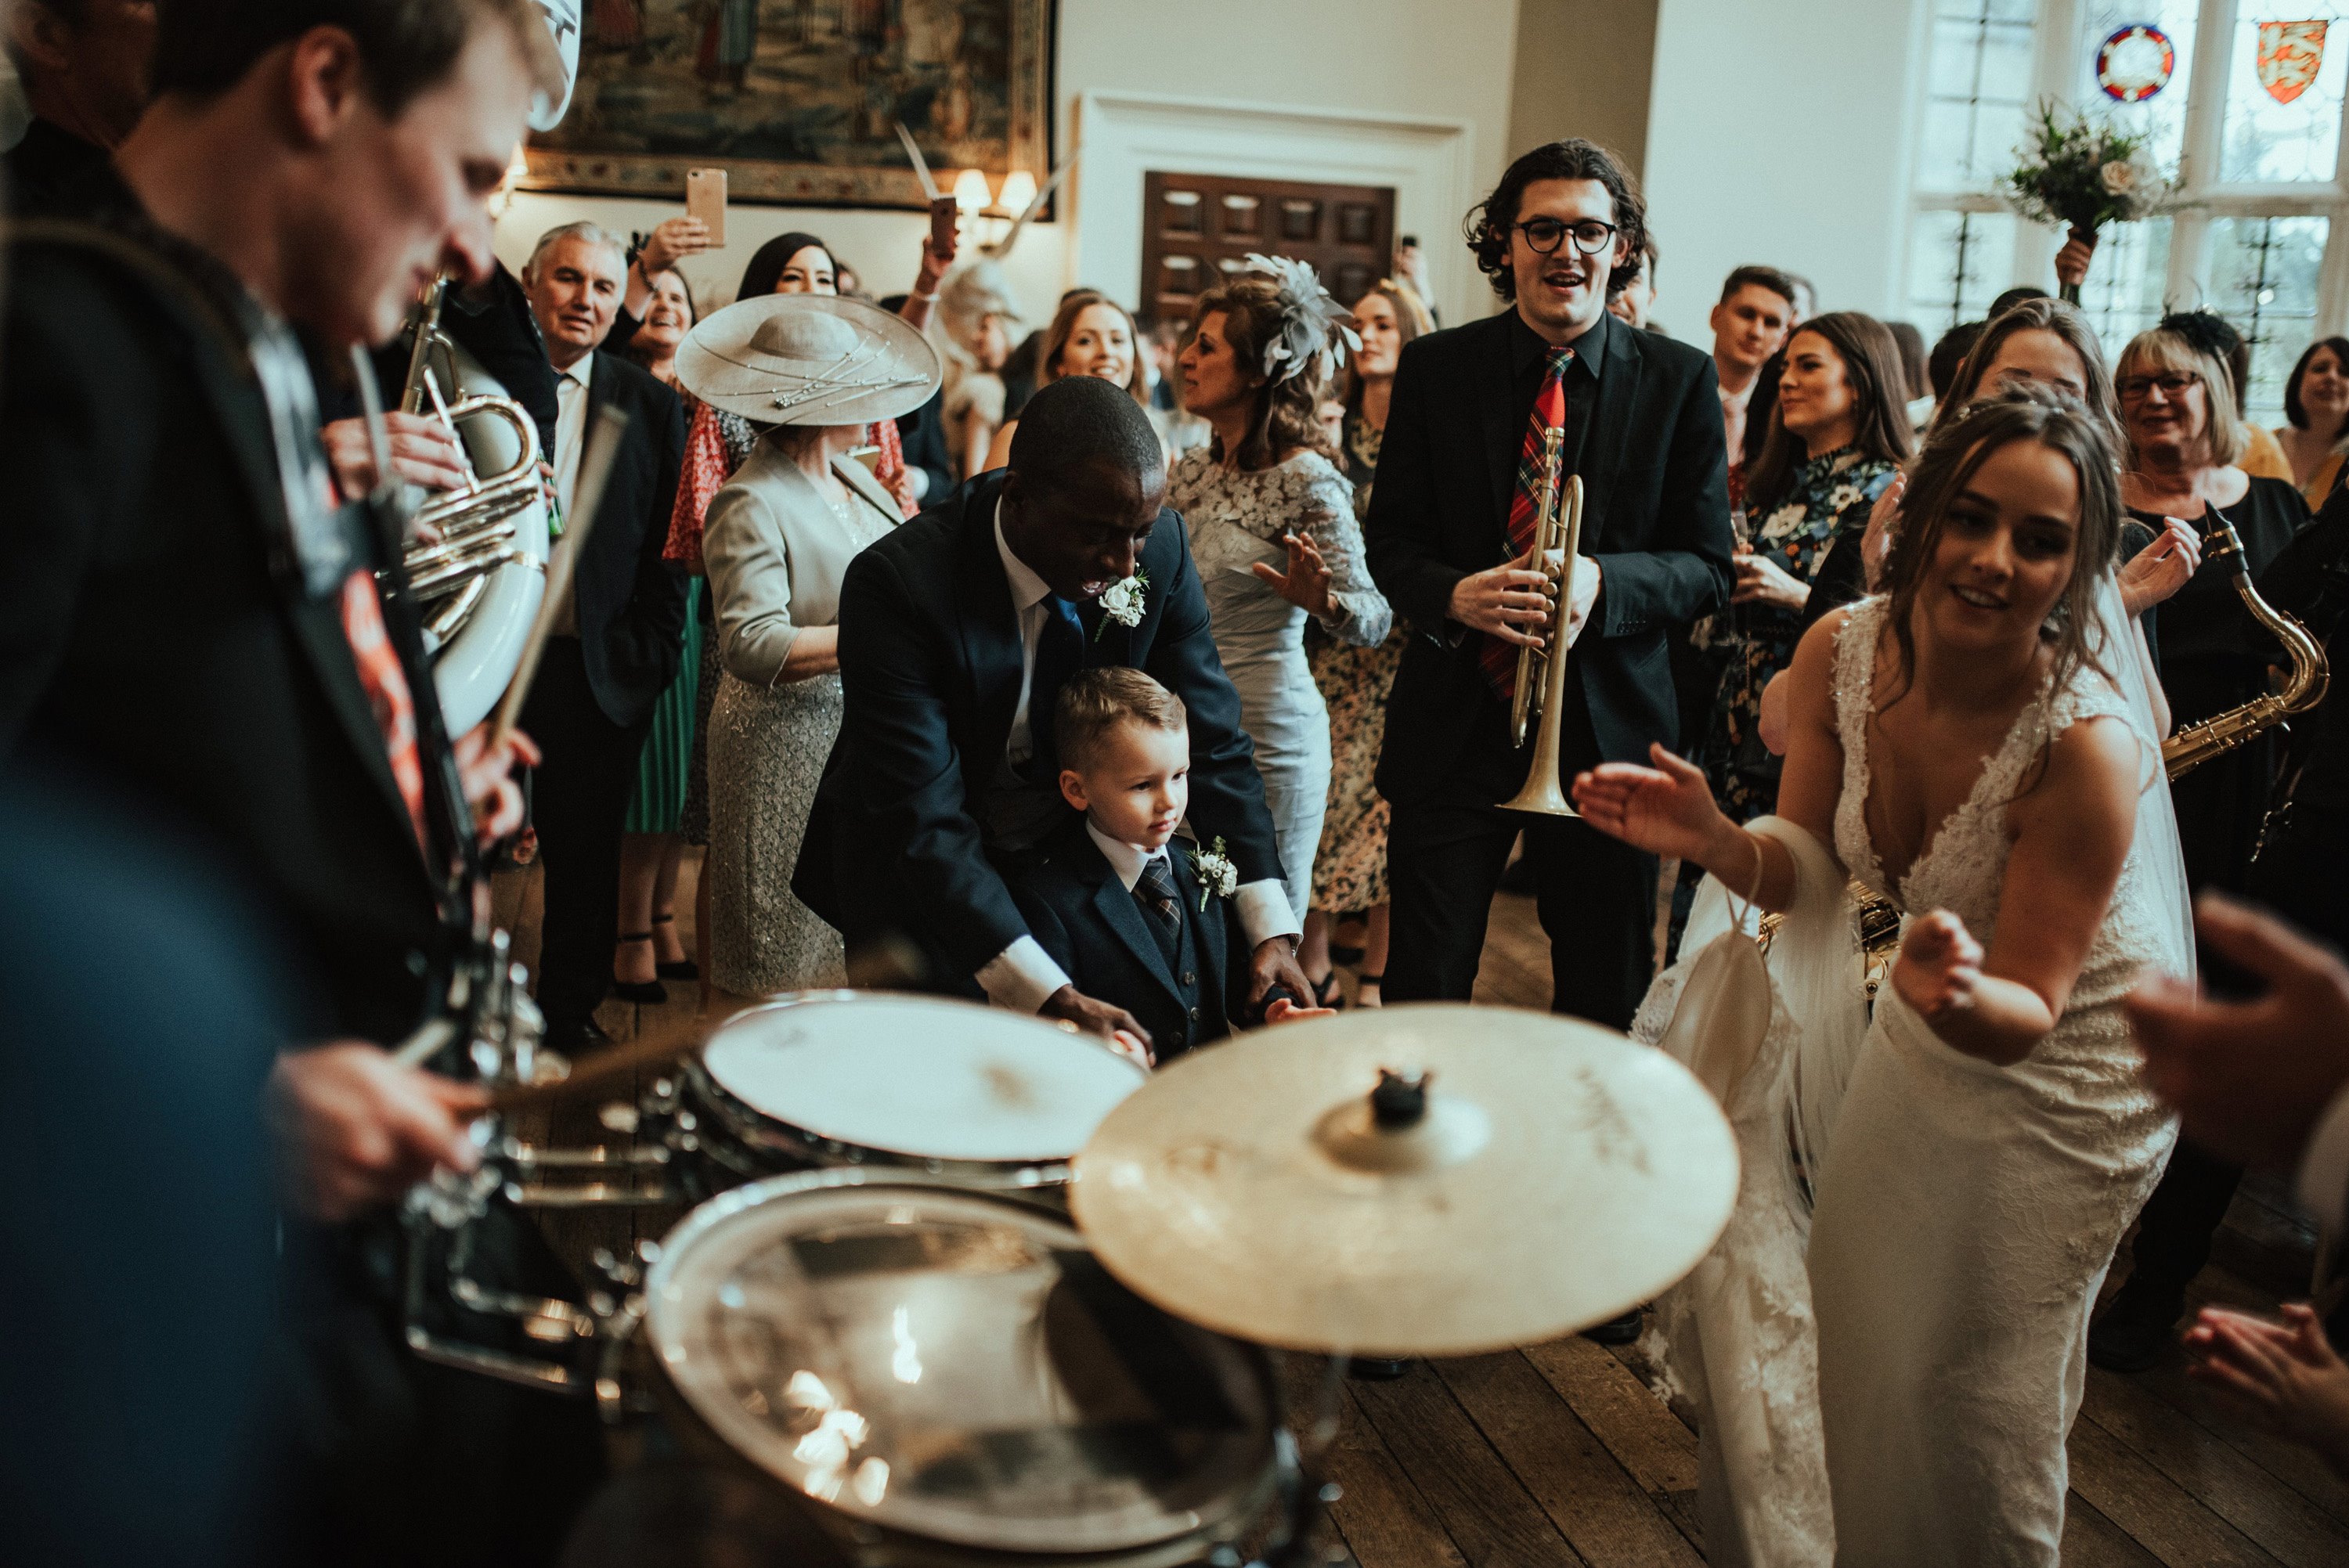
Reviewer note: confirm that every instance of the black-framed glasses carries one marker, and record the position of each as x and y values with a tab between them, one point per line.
1544	234
2173	386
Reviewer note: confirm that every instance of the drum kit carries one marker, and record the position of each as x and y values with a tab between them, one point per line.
963	1287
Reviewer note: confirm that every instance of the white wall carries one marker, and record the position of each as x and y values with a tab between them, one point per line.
1450	60
1779	133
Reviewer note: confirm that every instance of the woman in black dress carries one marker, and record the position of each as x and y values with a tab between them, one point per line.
2184	434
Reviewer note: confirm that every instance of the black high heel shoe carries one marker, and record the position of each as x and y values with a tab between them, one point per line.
643	993
683	968
1326	993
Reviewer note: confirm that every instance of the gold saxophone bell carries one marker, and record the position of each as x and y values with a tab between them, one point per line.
2302	689
1540	702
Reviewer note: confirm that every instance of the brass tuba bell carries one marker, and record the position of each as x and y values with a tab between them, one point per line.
1539	701
476	557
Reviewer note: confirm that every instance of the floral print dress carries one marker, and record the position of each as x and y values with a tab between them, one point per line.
1350	872
1829	494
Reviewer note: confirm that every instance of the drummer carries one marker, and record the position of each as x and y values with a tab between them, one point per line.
1129	921
957	633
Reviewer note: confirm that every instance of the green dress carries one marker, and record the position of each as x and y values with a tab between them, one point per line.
658	804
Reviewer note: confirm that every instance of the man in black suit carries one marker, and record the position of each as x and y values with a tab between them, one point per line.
615	644
84	64
188	618
1112	896
956	631
1448	536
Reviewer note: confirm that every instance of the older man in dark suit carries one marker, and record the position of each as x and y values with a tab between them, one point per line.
616	641
1449	532
956	632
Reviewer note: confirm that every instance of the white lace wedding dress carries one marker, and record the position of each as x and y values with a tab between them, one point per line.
1966	1212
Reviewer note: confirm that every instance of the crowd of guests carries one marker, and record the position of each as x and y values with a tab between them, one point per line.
934	633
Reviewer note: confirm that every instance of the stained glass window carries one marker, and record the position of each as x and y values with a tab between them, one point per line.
2283	111
2262	171
1959	262
1978	91
2163	115
2263	278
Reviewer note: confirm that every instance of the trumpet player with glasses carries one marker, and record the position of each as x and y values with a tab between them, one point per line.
1636	418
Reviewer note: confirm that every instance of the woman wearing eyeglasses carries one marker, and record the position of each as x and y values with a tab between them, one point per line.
2185	436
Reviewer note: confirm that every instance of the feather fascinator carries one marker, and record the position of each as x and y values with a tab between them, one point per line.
1315	329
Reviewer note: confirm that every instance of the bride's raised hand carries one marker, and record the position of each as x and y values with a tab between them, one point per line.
1939	967
1666	809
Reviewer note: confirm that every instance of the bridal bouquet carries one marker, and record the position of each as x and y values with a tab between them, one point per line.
2083	174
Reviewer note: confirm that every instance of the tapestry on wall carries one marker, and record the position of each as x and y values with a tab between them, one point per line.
798	99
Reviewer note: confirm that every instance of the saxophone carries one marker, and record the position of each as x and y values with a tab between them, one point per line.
2303	689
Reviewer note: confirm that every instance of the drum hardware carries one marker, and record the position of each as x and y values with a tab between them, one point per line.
1540	702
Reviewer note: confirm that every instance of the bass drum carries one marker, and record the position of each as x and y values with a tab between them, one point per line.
472	669
949	1379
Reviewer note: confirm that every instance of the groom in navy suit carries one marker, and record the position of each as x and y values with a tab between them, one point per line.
956	632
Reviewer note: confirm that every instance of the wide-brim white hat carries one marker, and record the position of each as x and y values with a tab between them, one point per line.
808	359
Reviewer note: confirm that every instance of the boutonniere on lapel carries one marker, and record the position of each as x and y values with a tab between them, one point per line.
1218	878
1122	602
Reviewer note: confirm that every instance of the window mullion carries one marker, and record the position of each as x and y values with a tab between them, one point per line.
2206	117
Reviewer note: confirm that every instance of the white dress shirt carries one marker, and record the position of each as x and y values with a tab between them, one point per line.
1126	860
2324	1165
1023	977
572	404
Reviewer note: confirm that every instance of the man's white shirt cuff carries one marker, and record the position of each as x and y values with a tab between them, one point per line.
1022	976
1264	912
2325	1167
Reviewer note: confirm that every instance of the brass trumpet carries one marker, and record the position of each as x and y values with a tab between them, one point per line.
2302	689
1539	703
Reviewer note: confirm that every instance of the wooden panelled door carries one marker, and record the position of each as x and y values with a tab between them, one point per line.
1197	228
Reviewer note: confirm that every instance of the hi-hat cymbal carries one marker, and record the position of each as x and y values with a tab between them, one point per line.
1556	1176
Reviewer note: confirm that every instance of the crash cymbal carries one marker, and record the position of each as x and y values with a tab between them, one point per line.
1552	1175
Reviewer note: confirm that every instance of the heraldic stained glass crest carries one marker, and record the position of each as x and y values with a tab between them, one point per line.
2291	53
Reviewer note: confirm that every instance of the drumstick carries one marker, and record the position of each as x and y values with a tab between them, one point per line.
602	445
653	1050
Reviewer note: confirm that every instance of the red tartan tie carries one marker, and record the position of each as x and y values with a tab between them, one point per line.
1499	658
386	685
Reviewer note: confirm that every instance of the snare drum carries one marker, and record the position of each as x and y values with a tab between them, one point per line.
952	1379
847	1077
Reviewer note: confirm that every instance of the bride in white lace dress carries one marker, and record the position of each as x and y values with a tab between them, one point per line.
1980	746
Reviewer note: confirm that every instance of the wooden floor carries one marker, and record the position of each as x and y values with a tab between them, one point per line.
1561	1453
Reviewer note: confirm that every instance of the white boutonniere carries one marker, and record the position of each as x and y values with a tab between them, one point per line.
1843	498
1785	520
1122	602
1218	878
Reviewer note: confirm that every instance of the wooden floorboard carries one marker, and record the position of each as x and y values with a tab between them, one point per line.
1605	1514
1565	1454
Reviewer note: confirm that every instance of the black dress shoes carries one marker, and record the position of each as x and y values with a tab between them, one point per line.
2136	1328
584	1041
1621	1330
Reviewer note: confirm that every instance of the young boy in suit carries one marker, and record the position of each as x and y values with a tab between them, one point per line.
1133	918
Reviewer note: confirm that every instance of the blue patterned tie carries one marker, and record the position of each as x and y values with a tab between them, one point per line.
1060	654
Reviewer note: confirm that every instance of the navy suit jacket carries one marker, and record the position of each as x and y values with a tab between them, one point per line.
1655	517
1094	928
930	663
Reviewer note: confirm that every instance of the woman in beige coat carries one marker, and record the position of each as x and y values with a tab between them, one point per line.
777	541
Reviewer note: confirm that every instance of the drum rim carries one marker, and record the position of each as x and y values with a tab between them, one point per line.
1239	1500
763	1129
